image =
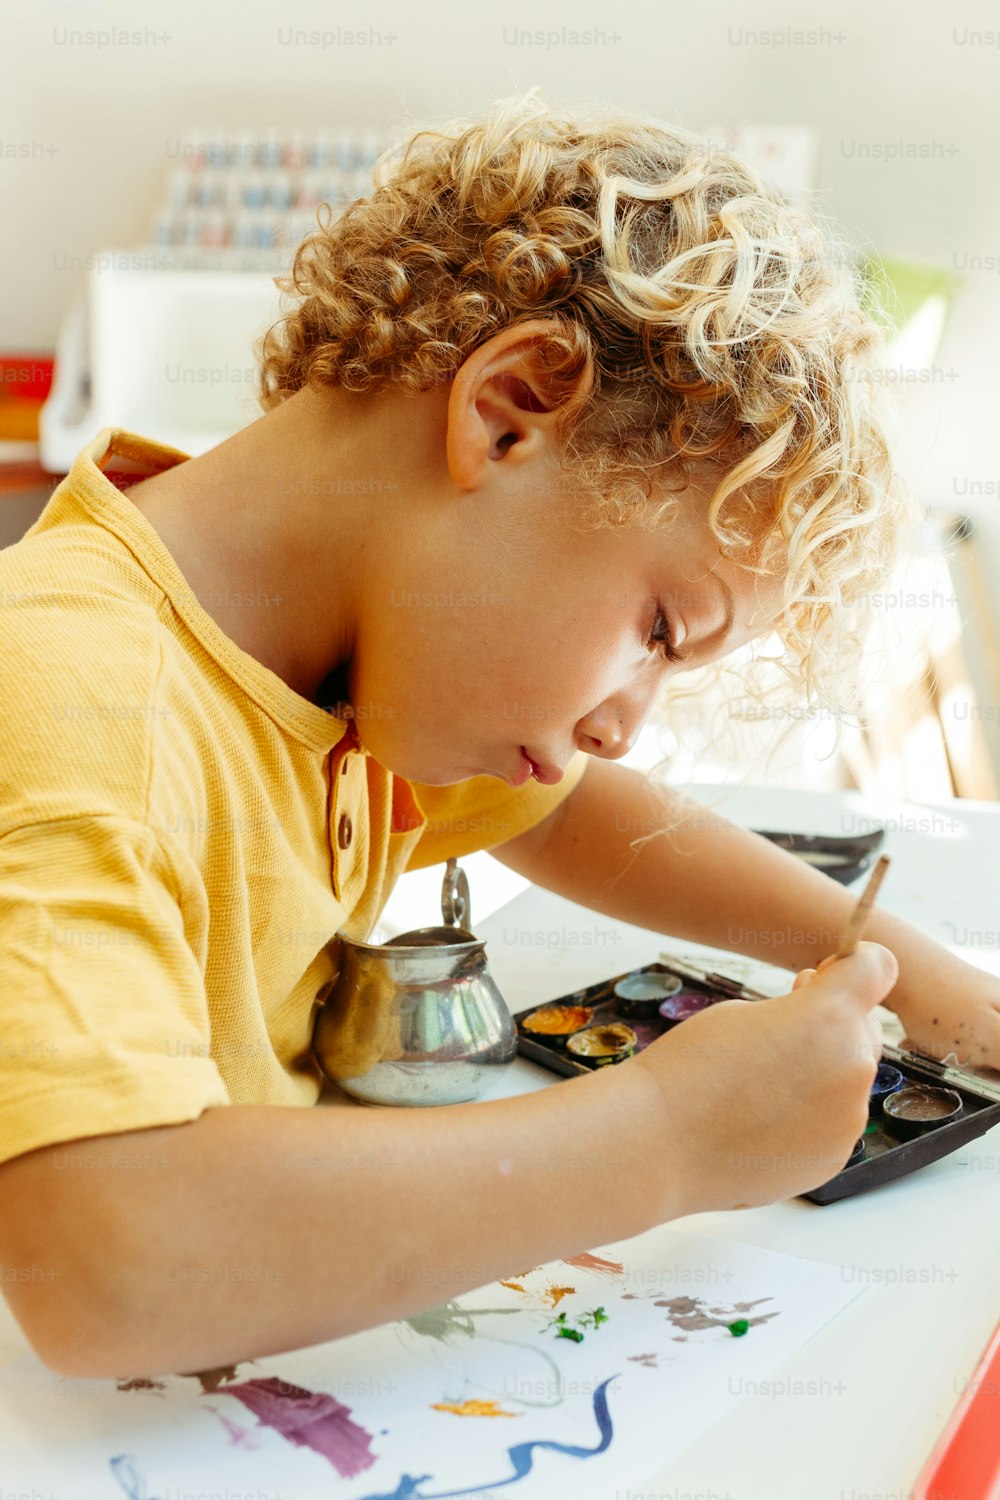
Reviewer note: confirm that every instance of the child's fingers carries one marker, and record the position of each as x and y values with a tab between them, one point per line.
864	978
803	978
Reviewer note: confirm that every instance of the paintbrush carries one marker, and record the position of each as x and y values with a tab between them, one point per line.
859	916
848	943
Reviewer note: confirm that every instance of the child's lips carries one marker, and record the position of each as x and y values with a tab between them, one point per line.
546	774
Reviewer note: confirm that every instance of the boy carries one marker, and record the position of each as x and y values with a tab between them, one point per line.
235	710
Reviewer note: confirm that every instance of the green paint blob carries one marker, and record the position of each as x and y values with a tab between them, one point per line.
570	1333
596	1318
739	1328
592	1319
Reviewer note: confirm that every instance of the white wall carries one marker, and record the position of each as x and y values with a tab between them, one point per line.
99	124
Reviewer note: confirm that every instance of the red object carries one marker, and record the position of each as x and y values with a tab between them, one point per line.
26	377
125	481
965	1464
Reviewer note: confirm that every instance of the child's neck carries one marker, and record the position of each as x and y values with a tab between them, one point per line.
260	516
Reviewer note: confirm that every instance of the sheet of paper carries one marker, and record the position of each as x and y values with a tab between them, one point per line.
483	1396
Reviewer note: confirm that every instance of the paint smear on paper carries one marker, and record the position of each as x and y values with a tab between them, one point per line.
588	1262
130	1480
521	1457
474	1409
584	1320
451	1325
240	1437
140	1383
310	1419
648	1361
555	1294
448	1319
691	1314
514	1286
212	1379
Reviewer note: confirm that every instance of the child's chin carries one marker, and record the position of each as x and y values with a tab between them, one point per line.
448	776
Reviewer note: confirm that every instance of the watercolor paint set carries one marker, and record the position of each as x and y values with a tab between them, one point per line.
920	1110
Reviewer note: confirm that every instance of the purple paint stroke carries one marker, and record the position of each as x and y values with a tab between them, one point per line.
310	1419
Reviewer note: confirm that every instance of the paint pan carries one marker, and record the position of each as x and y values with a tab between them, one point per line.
918	1108
638	996
888	1080
681	1007
555	1023
858	1154
599	1045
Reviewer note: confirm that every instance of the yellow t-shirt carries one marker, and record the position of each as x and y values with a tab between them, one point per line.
181	834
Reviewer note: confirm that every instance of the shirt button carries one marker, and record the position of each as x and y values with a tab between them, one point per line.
345	831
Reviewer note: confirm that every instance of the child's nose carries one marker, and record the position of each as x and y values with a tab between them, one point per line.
610	729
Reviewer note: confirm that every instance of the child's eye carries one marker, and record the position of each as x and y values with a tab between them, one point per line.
661	636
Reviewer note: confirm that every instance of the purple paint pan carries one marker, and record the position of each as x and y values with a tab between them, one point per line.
681	1007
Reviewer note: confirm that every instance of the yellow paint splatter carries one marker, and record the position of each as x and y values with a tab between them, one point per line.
514	1286
474	1409
555	1294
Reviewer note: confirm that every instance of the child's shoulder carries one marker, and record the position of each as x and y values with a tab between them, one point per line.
71	569
75	603
79	663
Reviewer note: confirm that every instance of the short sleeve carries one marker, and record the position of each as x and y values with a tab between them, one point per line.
104	1022
484	811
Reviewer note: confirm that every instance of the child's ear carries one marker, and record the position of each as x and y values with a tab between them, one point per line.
514	395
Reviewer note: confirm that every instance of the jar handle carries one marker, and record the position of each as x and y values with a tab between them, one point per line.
456	903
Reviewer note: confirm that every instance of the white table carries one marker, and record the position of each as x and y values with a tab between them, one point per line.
872	1392
870	1395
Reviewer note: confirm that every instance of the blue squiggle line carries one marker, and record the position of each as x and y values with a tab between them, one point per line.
129	1478
520	1456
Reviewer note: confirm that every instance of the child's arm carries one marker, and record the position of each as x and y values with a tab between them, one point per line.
257	1229
712	882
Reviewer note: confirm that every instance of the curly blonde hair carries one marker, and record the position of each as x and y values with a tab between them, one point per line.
723	326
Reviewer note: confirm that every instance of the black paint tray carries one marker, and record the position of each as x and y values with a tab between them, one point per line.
886	1158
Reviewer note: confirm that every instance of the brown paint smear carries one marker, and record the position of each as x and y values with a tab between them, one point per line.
588	1262
212	1379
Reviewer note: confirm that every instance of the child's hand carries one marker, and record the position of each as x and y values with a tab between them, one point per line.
956	1012
953	1012
767	1098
